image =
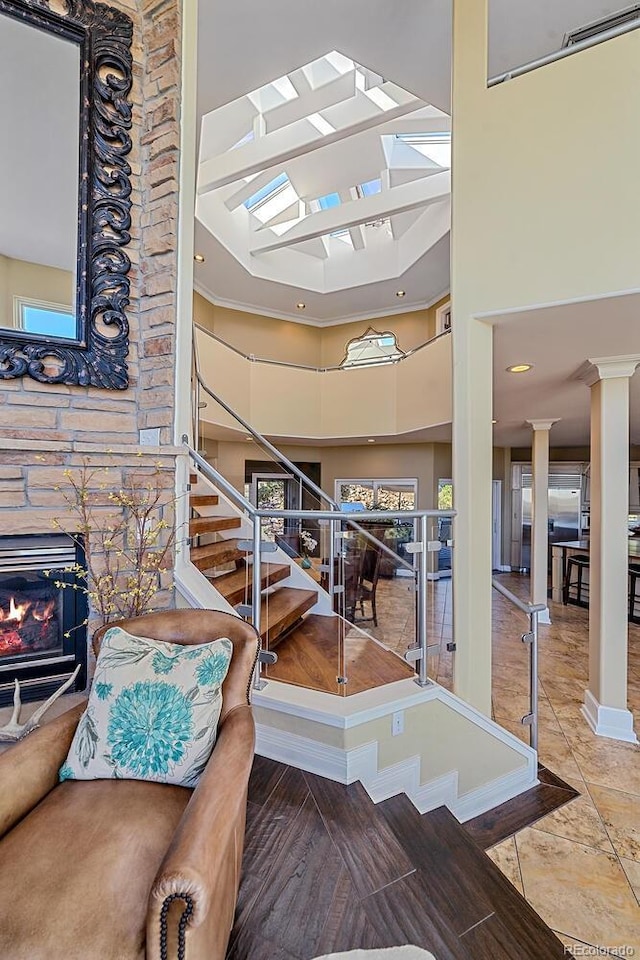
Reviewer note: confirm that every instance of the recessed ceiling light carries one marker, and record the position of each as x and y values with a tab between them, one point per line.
519	368
300	305
400	293
370	441
198	257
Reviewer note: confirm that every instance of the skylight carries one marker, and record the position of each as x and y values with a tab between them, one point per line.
369	189
266	191
248	137
322	126
328	201
434	146
380	98
272	200
343	235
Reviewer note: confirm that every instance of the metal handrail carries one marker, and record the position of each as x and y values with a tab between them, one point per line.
564	52
281	458
532	610
304	366
523	605
417	654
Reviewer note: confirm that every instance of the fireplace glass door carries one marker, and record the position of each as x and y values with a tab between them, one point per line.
31	616
42	615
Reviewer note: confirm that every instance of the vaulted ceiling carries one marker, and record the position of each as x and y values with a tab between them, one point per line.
245	46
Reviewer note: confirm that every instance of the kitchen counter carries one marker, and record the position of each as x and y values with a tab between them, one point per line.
560	552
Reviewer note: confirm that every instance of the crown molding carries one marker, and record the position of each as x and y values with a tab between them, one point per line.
313	321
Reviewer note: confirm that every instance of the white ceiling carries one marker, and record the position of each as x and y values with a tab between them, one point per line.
557	341
244	45
39	107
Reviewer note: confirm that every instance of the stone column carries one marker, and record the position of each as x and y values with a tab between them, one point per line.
605	704
540	514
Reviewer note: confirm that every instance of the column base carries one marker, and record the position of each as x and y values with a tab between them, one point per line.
611	722
544	616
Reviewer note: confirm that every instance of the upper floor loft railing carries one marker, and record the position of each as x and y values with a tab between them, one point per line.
291	400
305	366
568	51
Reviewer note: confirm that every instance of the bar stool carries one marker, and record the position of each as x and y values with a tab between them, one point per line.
579	562
634	576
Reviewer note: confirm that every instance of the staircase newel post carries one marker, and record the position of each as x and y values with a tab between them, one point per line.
423	601
256	595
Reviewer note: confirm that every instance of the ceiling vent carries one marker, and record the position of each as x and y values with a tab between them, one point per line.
602	26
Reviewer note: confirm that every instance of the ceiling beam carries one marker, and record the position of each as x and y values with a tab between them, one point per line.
406	196
277	148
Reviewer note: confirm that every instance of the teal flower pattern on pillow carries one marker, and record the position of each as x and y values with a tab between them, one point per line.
150	725
103	690
213	670
153	710
161	663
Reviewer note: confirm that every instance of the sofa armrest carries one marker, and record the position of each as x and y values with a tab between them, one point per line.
29	770
193	897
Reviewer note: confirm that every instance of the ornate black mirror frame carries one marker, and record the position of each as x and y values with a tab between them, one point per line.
98	357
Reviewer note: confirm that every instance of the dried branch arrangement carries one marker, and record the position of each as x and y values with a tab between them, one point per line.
125	537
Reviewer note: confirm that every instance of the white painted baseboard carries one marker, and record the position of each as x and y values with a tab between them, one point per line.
611	722
361	764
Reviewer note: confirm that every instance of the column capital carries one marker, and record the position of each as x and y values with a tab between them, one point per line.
542	424
607	368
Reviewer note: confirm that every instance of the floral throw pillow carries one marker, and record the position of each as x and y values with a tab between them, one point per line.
153	711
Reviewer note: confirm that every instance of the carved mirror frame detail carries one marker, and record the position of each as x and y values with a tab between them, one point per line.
96	358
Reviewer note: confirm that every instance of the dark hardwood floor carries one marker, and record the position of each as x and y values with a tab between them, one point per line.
326	870
503	821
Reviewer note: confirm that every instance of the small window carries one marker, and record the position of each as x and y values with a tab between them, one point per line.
45	319
443	319
372	349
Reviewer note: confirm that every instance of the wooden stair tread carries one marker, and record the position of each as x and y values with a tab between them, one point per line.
281	609
310	656
215	554
203	500
236	585
212	524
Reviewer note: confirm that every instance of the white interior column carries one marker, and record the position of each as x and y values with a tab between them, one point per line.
540	514
472	500
605	704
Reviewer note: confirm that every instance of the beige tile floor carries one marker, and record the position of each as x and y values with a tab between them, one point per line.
579	867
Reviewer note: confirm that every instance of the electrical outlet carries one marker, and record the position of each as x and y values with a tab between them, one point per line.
397	723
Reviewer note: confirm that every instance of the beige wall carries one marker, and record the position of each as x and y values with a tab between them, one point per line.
391	399
477	755
424	461
18	278
285	340
260	336
544	188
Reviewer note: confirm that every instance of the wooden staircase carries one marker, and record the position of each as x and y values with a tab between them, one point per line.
282	608
310	648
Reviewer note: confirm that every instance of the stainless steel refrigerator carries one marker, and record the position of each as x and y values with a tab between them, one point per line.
564	513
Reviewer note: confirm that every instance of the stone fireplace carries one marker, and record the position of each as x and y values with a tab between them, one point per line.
42	633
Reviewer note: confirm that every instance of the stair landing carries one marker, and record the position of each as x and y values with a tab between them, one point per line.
309	656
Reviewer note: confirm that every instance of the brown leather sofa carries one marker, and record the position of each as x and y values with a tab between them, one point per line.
125	869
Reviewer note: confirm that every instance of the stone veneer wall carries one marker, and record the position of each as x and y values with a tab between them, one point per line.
43	428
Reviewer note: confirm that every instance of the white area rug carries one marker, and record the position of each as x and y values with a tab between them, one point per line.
401	953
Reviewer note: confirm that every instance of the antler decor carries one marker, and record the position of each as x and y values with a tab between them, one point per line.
14	730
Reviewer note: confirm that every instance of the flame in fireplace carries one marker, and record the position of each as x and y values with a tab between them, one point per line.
46	613
17	611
